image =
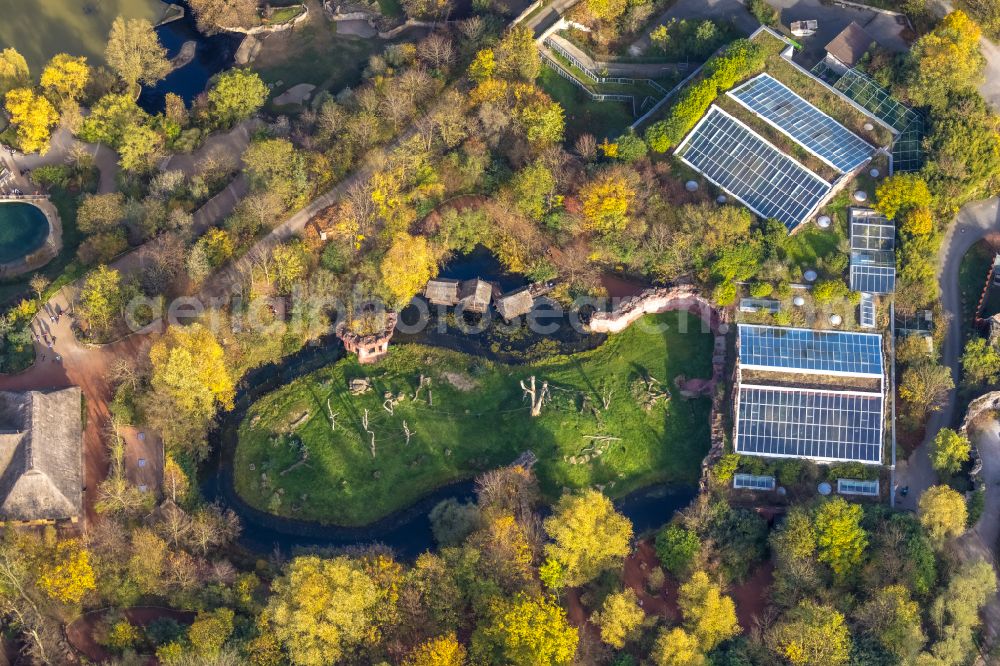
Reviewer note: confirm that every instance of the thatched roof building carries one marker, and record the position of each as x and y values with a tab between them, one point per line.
475	295
442	291
41	464
515	303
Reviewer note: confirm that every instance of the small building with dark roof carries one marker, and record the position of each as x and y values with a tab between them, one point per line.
515	303
41	456
846	49
442	291
475	295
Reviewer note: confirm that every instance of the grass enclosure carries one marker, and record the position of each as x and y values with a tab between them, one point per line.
584	115
478	421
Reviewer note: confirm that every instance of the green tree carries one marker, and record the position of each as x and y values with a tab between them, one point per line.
945	61
210	631
677	548
840	539
532	188
796	538
110	120
236	95
676	647
619	618
812	635
135	53
980	362
589	535
955	612
102	297
708	614
13	70
321	609
894	620
274	165
140	149
525	631
100	212
924	388
949	450
942	513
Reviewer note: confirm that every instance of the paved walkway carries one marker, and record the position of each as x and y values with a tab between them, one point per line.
980	542
635	70
975	221
722	11
59	151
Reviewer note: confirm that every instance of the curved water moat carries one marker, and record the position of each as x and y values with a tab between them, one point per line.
24	229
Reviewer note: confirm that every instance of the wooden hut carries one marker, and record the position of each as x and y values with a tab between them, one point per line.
442	291
515	303
475	295
41	456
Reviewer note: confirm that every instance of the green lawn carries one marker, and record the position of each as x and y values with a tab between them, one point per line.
314	53
477	421
583	115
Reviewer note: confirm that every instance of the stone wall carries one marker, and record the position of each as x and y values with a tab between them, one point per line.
667	299
263	29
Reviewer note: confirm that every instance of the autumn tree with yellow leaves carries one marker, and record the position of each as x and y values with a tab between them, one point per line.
33	118
709	615
190	381
606	202
942	514
65	77
67	575
321	609
589	536
406	267
840	539
945	61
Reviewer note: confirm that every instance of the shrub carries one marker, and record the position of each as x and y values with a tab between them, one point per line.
726	467
763	12
724	294
656	580
760	289
677	548
631	148
667	133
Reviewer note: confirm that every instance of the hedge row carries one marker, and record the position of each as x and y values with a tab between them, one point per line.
741	60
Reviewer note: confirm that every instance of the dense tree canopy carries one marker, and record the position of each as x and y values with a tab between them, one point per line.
588	535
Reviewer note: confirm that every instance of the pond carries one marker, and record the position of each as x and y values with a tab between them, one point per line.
23	229
212	55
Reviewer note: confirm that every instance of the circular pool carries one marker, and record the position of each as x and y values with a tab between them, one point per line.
23	229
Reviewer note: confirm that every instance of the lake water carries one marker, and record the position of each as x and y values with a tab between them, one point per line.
42	28
23	229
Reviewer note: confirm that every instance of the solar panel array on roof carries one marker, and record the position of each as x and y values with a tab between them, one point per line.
857	487
866	311
873	261
812	352
753	482
815	131
808	423
745	165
